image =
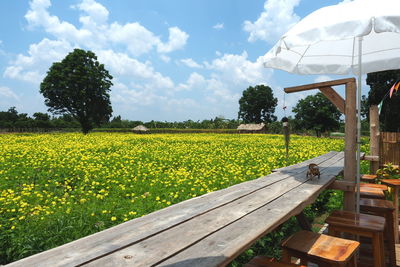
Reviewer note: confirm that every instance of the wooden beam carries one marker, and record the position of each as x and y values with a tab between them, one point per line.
371	158
374	137
350	144
303	222
318	85
343	186
334	97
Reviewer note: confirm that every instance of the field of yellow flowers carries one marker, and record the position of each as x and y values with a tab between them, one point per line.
55	188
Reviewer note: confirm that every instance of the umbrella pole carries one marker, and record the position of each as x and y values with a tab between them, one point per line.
360	39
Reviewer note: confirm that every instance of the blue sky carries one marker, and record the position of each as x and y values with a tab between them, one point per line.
171	59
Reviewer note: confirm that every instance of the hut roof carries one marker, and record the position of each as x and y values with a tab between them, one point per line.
251	127
140	128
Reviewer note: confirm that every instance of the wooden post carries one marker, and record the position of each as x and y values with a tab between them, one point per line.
350	144
374	137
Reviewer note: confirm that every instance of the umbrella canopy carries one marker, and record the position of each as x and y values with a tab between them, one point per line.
356	37
326	41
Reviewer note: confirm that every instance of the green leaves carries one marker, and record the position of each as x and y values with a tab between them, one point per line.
257	105
316	112
79	85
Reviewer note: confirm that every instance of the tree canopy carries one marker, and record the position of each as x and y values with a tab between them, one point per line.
317	113
257	105
79	86
380	84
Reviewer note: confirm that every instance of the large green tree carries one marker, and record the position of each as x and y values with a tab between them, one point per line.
380	84
79	85
257	105
316	112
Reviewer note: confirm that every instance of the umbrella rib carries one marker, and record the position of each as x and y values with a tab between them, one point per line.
302	56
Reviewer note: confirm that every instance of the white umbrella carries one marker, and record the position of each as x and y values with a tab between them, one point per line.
356	37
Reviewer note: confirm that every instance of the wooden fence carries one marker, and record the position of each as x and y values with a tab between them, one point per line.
389	149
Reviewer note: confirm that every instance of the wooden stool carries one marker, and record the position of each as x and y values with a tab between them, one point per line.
369	178
363	225
321	249
376	186
369	192
383	208
264	261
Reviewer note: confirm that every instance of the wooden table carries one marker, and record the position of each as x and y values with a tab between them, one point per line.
395	184
210	230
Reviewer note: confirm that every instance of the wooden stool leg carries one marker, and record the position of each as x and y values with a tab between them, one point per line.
390	238
353	261
286	258
379	259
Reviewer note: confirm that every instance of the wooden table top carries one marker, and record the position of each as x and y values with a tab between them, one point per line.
391	182
209	230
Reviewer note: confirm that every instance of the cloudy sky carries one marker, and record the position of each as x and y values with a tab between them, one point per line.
171	59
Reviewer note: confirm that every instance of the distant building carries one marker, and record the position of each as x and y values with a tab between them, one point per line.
252	128
140	129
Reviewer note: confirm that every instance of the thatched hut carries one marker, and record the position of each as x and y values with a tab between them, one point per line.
140	129
252	128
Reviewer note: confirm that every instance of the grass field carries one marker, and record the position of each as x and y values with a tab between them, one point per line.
55	188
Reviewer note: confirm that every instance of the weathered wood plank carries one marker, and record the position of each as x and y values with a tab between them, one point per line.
301	166
234	238
123	235
149	251
318	85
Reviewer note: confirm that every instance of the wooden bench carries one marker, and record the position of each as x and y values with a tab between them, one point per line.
209	230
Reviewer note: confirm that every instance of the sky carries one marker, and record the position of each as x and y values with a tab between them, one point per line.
172	60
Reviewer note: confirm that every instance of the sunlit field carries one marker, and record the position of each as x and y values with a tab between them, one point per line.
55	188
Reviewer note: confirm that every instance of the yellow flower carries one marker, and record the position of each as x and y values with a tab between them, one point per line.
113	218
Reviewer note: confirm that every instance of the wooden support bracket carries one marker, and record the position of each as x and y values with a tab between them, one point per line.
343	186
370	158
303	222
334	97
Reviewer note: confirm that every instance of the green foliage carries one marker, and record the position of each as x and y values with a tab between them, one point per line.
317	113
257	105
388	172
79	86
380	83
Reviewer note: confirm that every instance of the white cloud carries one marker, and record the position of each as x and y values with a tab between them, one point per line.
165	58
96	32
122	65
239	70
137	38
8	93
218	26
97	13
278	16
177	40
195	81
191	63
32	68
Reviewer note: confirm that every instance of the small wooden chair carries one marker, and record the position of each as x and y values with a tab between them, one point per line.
264	261
363	225
370	192
369	178
375	186
383	208
321	249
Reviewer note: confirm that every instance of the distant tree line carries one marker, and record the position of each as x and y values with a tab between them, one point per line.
11	120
